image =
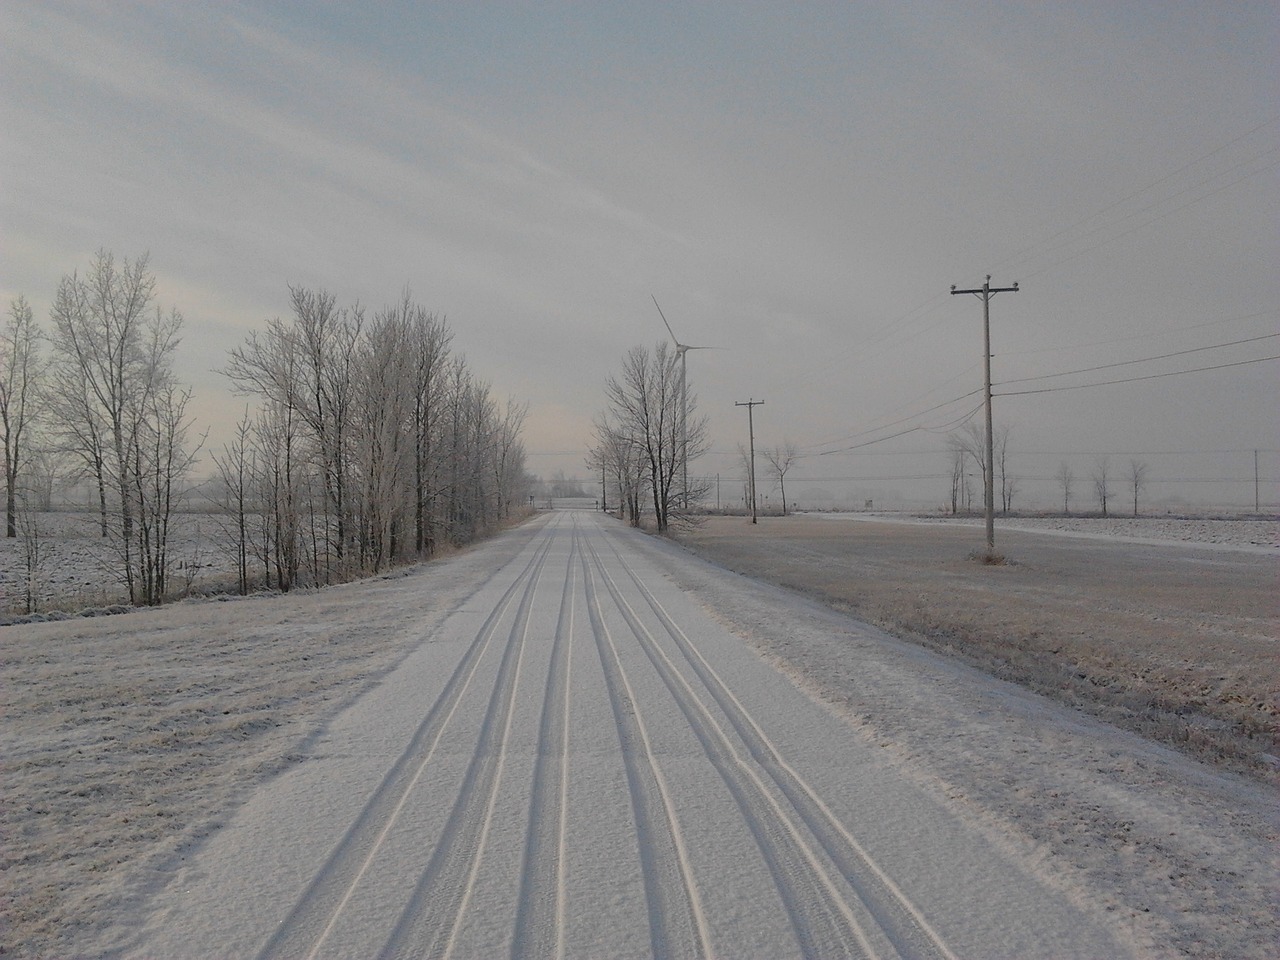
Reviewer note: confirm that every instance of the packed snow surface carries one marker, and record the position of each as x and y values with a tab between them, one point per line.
589	756
584	763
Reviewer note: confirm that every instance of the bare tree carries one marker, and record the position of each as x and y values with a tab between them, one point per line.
34	558
1008	484
649	407
371	439
1137	480
974	441
1101	482
381	449
20	364
117	398
744	474
958	454
507	457
1065	477
618	457
163	454
781	459
78	431
237	467
327	339
40	477
266	367
429	337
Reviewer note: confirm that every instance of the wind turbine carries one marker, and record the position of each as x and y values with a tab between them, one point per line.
681	350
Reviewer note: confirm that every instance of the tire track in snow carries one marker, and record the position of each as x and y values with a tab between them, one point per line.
314	917
901	921
677	922
430	921
823	921
540	912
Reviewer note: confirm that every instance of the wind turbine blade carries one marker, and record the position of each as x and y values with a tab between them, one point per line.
664	322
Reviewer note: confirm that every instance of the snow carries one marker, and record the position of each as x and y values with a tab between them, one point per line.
786	772
1252	534
77	566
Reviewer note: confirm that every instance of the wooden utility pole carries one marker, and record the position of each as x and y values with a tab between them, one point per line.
751	432
986	293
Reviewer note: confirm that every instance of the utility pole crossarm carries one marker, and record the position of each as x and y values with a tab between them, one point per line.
986	290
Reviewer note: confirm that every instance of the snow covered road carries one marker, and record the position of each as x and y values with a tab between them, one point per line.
585	763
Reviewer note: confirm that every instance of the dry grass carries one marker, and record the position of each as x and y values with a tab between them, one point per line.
1173	643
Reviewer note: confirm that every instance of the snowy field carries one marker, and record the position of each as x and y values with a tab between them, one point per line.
1200	531
76	569
140	749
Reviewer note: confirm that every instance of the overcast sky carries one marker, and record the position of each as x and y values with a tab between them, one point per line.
799	187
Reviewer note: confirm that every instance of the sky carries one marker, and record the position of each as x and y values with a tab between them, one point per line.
798	186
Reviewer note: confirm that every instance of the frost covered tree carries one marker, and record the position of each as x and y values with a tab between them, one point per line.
973	439
1065	477
20	368
429	339
649	408
958	454
236	467
1008	484
781	458
115	402
1101	482
618	458
371	440
266	367
1137	478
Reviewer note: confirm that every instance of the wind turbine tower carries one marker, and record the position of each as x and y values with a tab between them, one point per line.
681	350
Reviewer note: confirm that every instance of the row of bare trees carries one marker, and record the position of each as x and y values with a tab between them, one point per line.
1100	479
647	436
968	446
371	444
102	399
369	441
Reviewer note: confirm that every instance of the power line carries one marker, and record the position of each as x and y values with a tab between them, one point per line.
893	423
1152	376
1126	363
1147	223
905	405
903	433
1141	336
1025	252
